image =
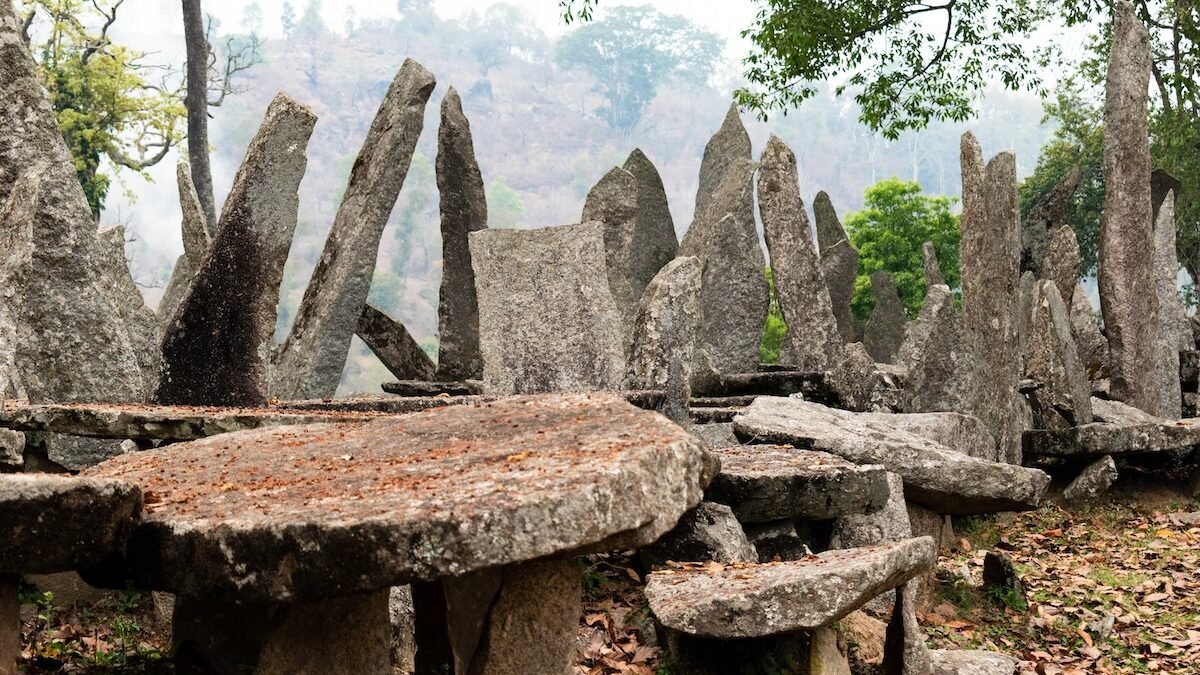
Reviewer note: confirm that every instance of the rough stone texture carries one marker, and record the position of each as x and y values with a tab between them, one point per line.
1128	434
394	345
762	483
12	450
827	656
664	335
402	617
933	271
427	388
463	207
812	386
1041	225
654	242
1176	328
56	523
862	386
718	435
956	431
352	508
708	532
904	649
547	318
132	311
1115	412
613	202
214	635
1000	574
777	540
746	601
727	148
1064	398
971	662
310	361
195	246
1093	481
926	523
1062	260
889	523
885	329
799	283
215	351
934	475
839	264
991	250
1090	342
1142	372
734	294
934	354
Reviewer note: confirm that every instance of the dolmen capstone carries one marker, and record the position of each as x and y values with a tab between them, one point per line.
282	542
1119	430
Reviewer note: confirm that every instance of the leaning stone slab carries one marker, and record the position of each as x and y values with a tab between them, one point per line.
1176	329
1062	261
1093	481
763	483
1103	438
885	329
799	284
934	475
215	351
839	264
933	271
195	246
1091	343
934	353
958	432
1064	397
708	532
463	207
654	241
664	335
547	318
747	601
394	345
310	361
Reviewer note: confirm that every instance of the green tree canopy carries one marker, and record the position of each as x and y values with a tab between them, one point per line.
505	208
889	233
633	50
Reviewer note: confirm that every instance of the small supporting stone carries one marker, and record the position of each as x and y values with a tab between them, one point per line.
394	345
1000	575
708	532
341	636
781	540
1093	481
904	651
10	624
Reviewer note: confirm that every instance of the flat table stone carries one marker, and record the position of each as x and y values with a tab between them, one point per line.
763	483
746	600
1097	439
428	388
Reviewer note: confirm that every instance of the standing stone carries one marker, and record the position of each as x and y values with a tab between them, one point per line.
725	150
1141	373
1176	328
547	319
1045	216
132	311
708	532
613	203
839	265
1161	183
654	241
1085	327
885	329
463	207
394	345
215	350
310	361
990	251
904	649
734	294
935	357
933	271
195	246
664	335
1064	399
1062	260
803	296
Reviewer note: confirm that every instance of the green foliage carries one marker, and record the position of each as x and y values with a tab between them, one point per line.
889	233
774	328
631	52
505	208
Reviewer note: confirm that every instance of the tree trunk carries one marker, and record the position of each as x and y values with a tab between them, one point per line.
196	103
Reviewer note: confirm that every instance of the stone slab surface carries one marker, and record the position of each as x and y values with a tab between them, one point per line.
762	483
814	386
757	600
1104	438
934	475
427	388
325	510
971	662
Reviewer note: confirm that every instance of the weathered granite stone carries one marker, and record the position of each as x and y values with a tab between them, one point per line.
734	294
839	265
904	649
195	246
958	432
762	483
827	654
463	206
708	532
426	388
353	508
654	242
1093	481
991	250
12	450
401	615
714	435
933	271
132	311
799	284
215	352
1064	398
934	354
1062	260
1141	370
1046	216
547	318
885	329
746	601
971	662
1176	328
310	361
58	523
862	386
1115	412
1090	342
664	335
926	523
727	148
1001	575
613	202
394	345
1027	288
889	523
777	540
934	475
1129	435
